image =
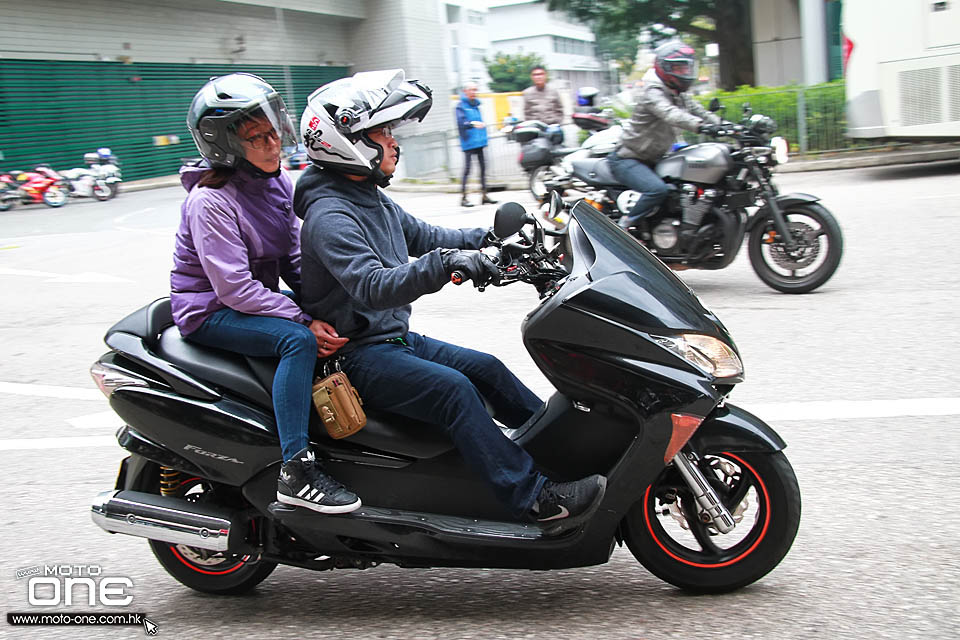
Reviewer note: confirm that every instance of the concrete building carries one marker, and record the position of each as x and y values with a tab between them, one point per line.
566	47
120	73
466	42
796	41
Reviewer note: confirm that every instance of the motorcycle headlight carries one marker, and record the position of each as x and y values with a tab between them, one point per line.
711	355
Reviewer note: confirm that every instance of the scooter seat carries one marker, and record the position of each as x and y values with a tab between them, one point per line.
595	171
225	369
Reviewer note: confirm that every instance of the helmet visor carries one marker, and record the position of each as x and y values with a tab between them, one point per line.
682	68
260	126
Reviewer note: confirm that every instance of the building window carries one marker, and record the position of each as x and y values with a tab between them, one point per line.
476	17
453	14
573	46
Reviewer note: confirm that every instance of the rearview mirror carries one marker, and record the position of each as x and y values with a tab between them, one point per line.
747	110
509	219
714	105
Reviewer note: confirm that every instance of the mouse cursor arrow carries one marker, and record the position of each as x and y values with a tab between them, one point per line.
150	627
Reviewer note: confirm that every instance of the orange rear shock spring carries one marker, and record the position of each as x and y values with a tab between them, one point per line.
169	481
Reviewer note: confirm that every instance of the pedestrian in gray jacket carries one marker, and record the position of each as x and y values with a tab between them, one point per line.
662	107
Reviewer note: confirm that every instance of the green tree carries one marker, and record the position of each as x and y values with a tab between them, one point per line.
618	46
511	72
730	20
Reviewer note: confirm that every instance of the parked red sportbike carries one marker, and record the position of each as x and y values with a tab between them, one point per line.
43	185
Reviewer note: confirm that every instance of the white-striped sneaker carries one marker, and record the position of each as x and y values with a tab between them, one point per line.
304	483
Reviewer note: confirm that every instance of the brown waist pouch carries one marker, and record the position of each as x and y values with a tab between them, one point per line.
339	405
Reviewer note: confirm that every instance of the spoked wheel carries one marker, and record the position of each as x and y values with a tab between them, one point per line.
204	570
54	197
811	263
664	530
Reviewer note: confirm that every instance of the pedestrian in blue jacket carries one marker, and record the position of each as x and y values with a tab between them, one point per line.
473	139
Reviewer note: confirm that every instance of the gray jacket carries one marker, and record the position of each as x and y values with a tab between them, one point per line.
543	105
355	264
650	131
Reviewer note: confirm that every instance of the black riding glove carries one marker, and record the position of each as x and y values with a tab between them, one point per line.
471	265
708	129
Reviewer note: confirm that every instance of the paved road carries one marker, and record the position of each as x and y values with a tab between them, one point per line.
857	377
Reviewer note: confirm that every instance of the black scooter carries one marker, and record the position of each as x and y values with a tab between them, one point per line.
698	489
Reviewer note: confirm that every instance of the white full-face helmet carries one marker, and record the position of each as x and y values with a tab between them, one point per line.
339	115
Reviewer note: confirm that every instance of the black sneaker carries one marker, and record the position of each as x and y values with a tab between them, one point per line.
487	200
569	500
304	483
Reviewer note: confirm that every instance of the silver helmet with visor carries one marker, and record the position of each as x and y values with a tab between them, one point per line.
339	116
236	113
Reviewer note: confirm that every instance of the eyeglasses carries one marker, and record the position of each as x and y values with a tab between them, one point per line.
261	140
385	131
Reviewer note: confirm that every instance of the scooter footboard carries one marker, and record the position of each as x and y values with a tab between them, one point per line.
730	428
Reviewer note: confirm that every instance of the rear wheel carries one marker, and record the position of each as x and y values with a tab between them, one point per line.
204	570
809	265
101	191
665	533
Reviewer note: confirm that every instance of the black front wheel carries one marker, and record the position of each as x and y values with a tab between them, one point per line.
666	533
814	259
208	571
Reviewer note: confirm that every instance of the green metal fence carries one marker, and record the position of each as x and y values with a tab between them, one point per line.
812	119
55	111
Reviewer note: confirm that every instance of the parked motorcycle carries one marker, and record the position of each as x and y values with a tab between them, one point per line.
720	193
698	489
43	185
541	147
100	179
604	135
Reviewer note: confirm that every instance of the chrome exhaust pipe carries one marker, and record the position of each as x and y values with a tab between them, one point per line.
172	520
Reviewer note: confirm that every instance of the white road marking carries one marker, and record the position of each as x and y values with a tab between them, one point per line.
49	391
772	412
853	409
62	278
105	421
20	444
120	219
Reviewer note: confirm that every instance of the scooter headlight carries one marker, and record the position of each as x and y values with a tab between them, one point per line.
711	355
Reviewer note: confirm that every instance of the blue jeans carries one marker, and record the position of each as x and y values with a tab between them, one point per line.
441	384
265	336
634	174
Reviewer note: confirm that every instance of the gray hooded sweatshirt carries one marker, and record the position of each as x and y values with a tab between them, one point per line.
355	268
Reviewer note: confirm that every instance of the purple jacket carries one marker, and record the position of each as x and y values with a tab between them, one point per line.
233	246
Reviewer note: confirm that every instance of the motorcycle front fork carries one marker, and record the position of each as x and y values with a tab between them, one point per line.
713	510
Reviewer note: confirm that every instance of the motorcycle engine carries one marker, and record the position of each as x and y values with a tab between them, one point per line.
665	235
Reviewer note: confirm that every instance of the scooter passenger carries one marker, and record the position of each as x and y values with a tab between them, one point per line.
237	237
356	271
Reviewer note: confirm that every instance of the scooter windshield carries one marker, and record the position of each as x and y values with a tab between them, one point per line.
628	284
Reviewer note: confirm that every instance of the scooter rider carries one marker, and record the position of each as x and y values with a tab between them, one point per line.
356	271
662	105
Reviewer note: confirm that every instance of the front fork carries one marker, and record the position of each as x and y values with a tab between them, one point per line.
713	510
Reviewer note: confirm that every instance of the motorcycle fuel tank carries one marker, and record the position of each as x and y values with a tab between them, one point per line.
705	163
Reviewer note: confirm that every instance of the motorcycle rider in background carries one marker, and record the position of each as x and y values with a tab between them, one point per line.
662	106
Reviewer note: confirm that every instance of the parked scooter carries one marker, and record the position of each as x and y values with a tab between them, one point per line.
698	489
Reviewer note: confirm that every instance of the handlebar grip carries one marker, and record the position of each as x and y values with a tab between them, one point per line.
457	277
